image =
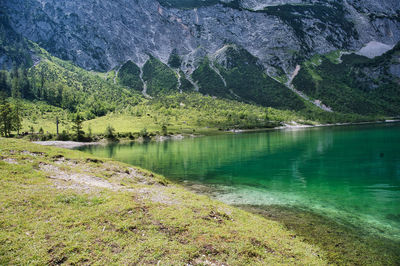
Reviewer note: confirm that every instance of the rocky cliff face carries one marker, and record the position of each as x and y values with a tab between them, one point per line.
103	34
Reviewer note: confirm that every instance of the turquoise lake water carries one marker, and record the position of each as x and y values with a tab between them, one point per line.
350	174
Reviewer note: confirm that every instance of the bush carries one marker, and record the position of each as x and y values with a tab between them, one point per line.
109	134
64	136
143	133
164	130
46	137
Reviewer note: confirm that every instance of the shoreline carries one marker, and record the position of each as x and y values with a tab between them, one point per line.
301	126
345	124
160	138
342	241
127	213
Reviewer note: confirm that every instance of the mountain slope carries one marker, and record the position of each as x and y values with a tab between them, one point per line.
14	49
355	84
104	34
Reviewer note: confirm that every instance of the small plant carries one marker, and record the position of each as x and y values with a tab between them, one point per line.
110	133
143	133
89	135
77	127
64	136
164	130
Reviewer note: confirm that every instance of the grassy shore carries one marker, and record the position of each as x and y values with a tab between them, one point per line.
343	243
62	206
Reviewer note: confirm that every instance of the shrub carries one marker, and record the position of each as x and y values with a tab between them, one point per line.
64	136
143	133
109	134
164	130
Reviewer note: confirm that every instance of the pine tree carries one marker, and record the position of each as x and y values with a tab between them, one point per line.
6	118
25	85
15	84
77	127
16	116
4	88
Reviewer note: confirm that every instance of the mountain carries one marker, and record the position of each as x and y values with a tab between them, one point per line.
101	34
244	50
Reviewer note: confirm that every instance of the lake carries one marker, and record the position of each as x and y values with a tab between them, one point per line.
350	174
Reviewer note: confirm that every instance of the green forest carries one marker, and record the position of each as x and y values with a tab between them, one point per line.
354	84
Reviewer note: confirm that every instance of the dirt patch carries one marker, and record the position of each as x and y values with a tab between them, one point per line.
169	230
55	172
33	154
66	144
91	160
10	161
57	258
258	243
156	194
205	260
217	217
118	179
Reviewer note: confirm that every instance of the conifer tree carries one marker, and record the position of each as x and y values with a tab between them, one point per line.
4	88
6	119
17	116
77	127
15	83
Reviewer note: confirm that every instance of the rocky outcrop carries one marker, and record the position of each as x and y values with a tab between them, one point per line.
100	35
374	49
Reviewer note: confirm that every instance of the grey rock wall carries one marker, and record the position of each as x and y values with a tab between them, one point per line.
102	34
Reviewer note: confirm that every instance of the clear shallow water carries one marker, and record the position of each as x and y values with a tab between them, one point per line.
350	174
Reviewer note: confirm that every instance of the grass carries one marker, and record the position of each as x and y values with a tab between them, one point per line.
181	113
143	219
125	123
187	113
41	115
